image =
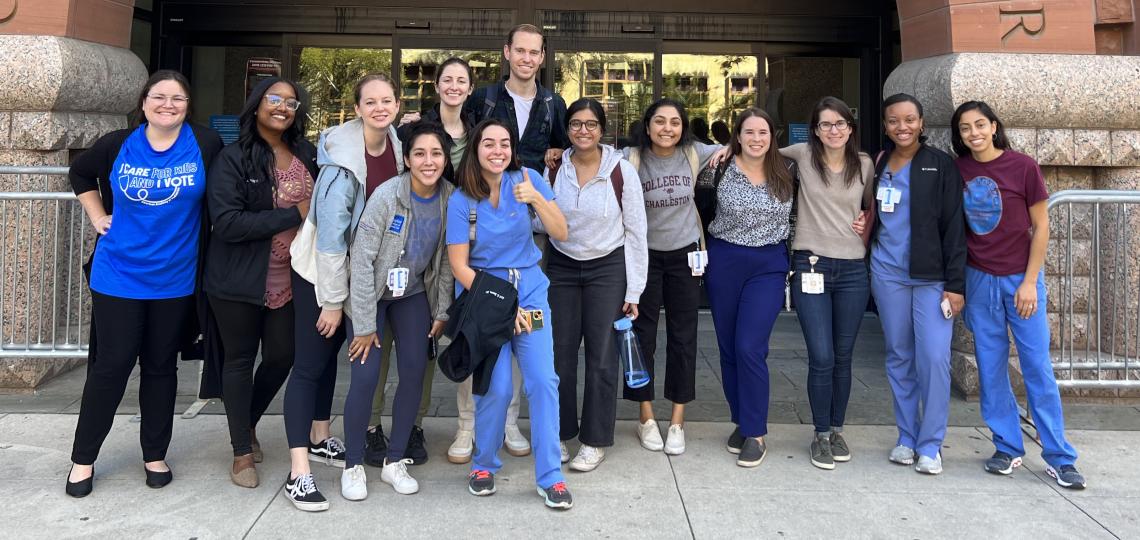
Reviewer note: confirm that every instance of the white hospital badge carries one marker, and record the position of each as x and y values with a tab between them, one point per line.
811	282
888	198
397	281
697	262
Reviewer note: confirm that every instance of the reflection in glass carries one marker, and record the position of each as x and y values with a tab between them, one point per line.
330	76
418	69
621	82
713	87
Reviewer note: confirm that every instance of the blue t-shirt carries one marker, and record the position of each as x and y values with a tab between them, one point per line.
423	237
890	257
503	235
151	250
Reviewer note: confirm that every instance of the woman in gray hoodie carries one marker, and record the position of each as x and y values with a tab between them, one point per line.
596	275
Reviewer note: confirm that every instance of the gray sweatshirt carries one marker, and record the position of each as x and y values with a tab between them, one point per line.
667	183
597	224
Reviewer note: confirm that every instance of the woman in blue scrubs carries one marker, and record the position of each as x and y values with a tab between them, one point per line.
504	196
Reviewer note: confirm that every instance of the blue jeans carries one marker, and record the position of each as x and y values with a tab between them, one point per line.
830	322
989	312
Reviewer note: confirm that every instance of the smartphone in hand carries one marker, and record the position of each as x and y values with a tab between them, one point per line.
946	311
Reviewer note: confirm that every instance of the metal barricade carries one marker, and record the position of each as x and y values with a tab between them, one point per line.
1093	266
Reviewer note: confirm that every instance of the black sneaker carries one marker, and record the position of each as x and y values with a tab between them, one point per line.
1067	476
329	451
1002	463
735	441
416	451
375	447
481	483
557	496
751	453
303	493
839	450
820	452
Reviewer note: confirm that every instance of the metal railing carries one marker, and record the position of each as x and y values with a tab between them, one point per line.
1095	296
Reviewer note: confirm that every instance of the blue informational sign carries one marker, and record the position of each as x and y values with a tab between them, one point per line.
798	133
227	125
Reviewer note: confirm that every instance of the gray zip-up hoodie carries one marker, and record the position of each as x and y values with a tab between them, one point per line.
597	223
377	249
338	202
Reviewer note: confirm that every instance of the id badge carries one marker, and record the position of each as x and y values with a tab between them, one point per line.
397	281
888	198
811	282
697	262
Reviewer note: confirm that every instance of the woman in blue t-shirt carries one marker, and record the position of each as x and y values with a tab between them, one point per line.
1007	210
503	195
144	273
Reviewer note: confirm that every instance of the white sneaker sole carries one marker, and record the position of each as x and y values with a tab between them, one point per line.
751	464
327	461
307	506
402	490
674	451
459	460
354	497
1054	475
582	466
483	493
1015	463
554	505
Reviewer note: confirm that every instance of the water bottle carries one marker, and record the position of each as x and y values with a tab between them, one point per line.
629	354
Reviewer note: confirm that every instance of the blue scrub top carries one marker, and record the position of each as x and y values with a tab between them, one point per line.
503	236
890	257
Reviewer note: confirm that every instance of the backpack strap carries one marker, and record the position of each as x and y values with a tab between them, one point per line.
617	180
490	100
472	214
694	160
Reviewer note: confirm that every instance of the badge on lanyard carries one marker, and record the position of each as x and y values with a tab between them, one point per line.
697	262
888	197
397	281
811	282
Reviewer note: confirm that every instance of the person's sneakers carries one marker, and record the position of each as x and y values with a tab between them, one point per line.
564	453
820	452
481	483
354	483
330	451
557	496
1002	463
650	436
839	450
303	493
675	440
752	452
1066	476
735	441
903	455
460	450
396	474
416	449
929	465
516	444
588	458
375	447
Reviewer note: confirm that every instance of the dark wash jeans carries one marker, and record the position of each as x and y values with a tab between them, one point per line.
830	323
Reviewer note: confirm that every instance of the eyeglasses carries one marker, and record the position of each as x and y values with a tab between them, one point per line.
275	100
590	125
825	127
177	101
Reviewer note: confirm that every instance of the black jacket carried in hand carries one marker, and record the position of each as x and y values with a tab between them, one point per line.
937	221
481	320
243	219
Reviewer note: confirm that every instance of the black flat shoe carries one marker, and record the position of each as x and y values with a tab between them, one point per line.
158	479
81	488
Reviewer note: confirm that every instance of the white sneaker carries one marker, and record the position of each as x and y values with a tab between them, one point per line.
588	458
396	474
675	440
903	455
650	436
516	444
564	451
929	465
354	483
460	450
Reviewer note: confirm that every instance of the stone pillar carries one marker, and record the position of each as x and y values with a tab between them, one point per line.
66	78
1075	111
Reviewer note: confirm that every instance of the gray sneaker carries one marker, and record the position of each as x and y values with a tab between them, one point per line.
839	450
1066	476
928	465
902	455
821	452
751	453
1002	463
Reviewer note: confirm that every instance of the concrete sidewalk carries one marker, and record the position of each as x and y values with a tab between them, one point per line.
634	494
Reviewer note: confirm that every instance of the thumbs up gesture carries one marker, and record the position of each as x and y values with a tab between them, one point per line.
525	192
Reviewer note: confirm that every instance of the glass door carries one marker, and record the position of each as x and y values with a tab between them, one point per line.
621	81
714	88
419	67
330	74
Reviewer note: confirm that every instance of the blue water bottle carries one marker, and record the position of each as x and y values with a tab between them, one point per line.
629	354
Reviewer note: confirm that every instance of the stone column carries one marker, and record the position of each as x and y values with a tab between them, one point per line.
1075	111
66	78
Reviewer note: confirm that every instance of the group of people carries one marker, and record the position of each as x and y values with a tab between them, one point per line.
276	245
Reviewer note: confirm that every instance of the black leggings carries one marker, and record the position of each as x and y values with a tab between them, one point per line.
246	395
149	331
309	394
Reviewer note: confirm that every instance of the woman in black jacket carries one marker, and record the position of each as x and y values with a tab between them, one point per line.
918	264
258	195
144	272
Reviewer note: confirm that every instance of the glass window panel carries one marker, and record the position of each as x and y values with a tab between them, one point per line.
330	75
419	67
621	82
711	86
